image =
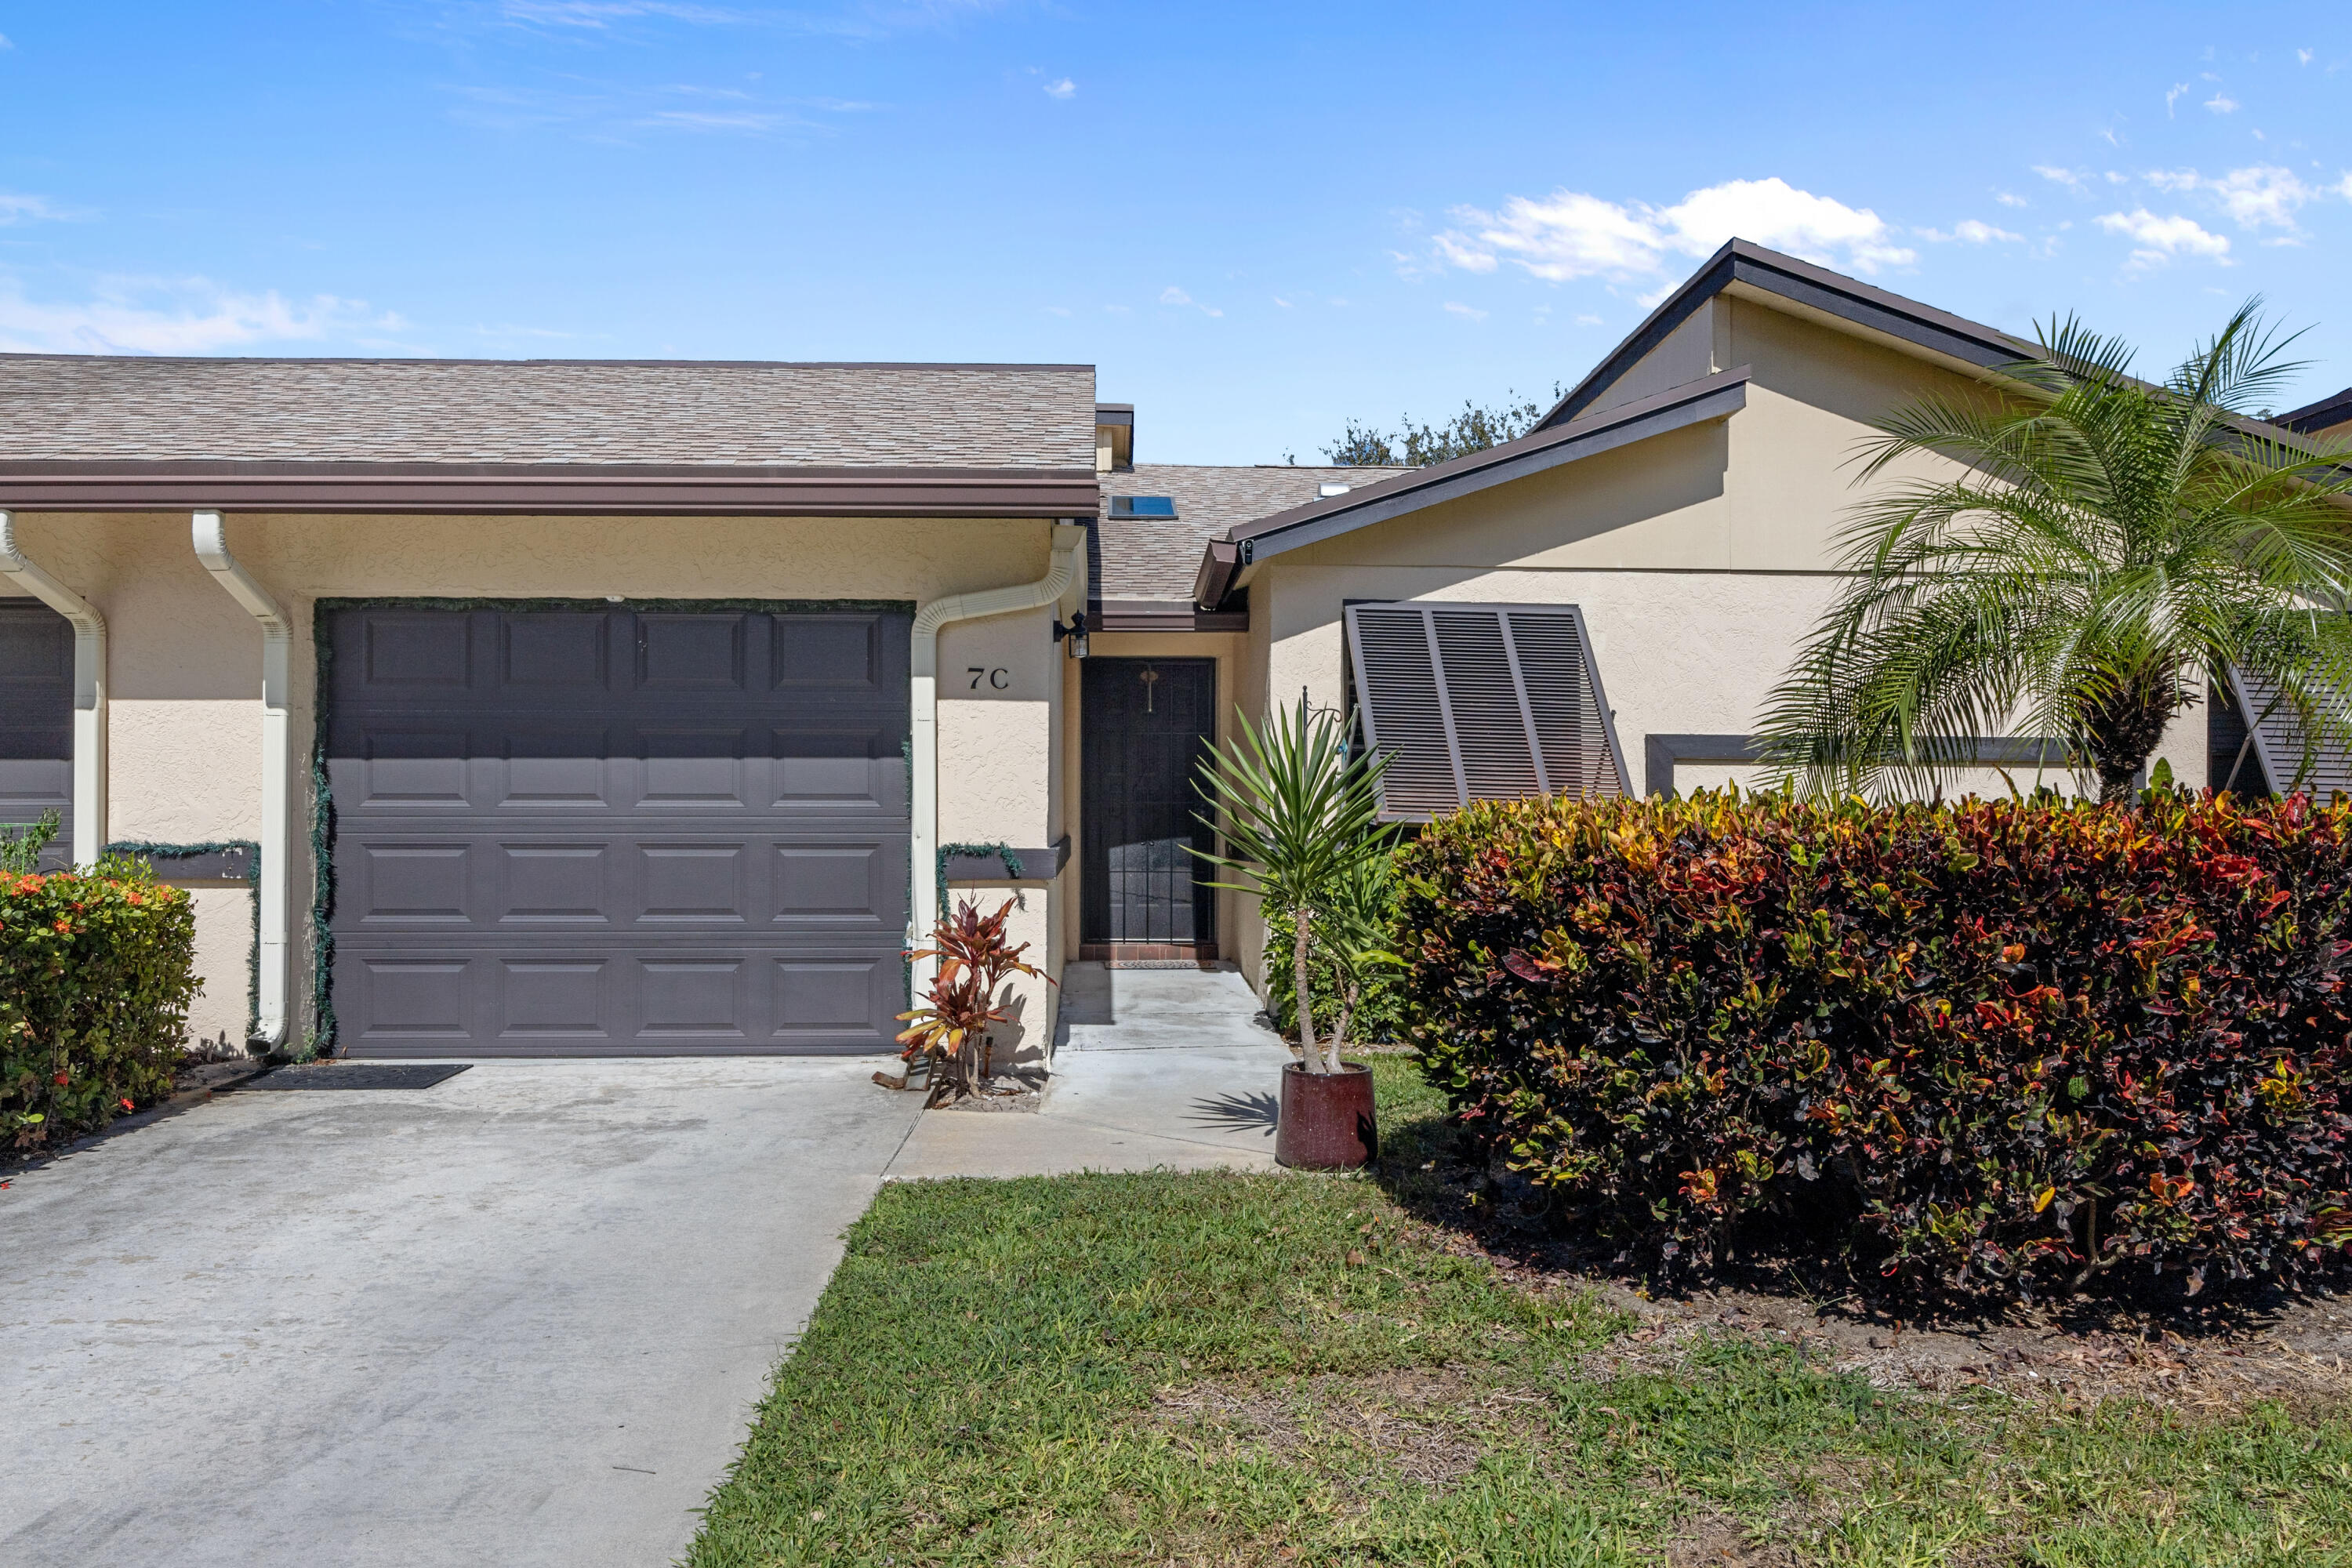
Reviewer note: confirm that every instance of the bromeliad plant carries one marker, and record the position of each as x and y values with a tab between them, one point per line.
954	1031
1300	820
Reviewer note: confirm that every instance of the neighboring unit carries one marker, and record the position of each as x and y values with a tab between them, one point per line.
647	708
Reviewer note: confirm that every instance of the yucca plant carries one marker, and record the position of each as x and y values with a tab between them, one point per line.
953	1031
2115	545
1298	813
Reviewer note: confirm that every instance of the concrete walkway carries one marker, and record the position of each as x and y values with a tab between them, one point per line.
1158	1068
522	1317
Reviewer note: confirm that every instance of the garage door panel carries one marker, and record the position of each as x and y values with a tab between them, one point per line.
553	651
402	770
705	997
698	883
587	832
421	651
677	774
556	997
415	884
838	887
415	999
563	885
690	653
834	999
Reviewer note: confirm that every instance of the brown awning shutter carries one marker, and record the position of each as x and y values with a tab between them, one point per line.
1481	702
2279	740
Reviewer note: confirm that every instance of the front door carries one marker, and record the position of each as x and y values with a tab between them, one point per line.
1148	724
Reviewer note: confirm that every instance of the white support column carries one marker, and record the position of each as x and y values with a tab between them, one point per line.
277	764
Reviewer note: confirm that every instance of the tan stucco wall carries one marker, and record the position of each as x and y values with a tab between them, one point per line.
224	946
185	662
1700	558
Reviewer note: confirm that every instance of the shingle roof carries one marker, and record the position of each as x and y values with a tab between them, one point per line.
90	408
1157	558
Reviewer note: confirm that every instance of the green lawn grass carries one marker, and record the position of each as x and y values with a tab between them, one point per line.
1243	1368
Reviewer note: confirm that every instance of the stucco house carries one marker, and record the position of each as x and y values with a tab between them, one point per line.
625	708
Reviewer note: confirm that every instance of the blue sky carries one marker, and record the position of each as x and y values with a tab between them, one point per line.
1257	220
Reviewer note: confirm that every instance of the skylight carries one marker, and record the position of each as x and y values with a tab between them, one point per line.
1143	506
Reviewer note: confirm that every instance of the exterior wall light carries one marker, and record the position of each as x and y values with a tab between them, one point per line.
1076	632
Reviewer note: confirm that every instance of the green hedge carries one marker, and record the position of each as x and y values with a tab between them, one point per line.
2029	1045
96	976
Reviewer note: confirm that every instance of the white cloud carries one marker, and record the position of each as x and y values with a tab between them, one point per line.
30	209
2180	88
2066	177
1173	295
1587	320
1281	302
2302	56
1469	312
6	44
2259	195
601	13
718	120
2222	103
2009	199
1569	234
2159	240
1971	231
176	316
1063	89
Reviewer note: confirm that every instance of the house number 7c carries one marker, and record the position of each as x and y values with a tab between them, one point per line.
997	678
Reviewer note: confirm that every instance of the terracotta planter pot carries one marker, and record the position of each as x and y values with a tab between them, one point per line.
1326	1121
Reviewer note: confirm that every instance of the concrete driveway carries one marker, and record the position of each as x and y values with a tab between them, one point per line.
522	1317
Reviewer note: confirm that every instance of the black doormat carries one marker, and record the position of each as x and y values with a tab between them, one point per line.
359	1075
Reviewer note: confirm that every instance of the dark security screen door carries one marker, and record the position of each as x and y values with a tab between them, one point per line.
36	694
1148	723
617	832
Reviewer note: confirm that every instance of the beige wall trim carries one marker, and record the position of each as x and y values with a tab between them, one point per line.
275	981
89	690
1660	753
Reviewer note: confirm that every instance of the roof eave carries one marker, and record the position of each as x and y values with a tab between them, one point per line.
571	489
1716	396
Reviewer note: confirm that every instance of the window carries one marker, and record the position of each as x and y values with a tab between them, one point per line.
1481	702
1143	506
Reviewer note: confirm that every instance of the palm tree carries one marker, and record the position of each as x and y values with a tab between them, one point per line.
2113	544
1297	813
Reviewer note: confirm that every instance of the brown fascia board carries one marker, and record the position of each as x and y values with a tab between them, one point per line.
571	489
1802	283
2320	415
1164	615
1717	396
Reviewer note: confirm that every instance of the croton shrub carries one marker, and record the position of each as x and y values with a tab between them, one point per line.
2029	1045
96	976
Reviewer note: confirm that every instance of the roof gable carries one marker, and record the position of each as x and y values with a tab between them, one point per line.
1752	271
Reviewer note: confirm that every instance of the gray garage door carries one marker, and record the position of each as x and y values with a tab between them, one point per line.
37	722
617	832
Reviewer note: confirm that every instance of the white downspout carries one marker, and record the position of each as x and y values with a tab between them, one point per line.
89	692
277	760
1068	544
